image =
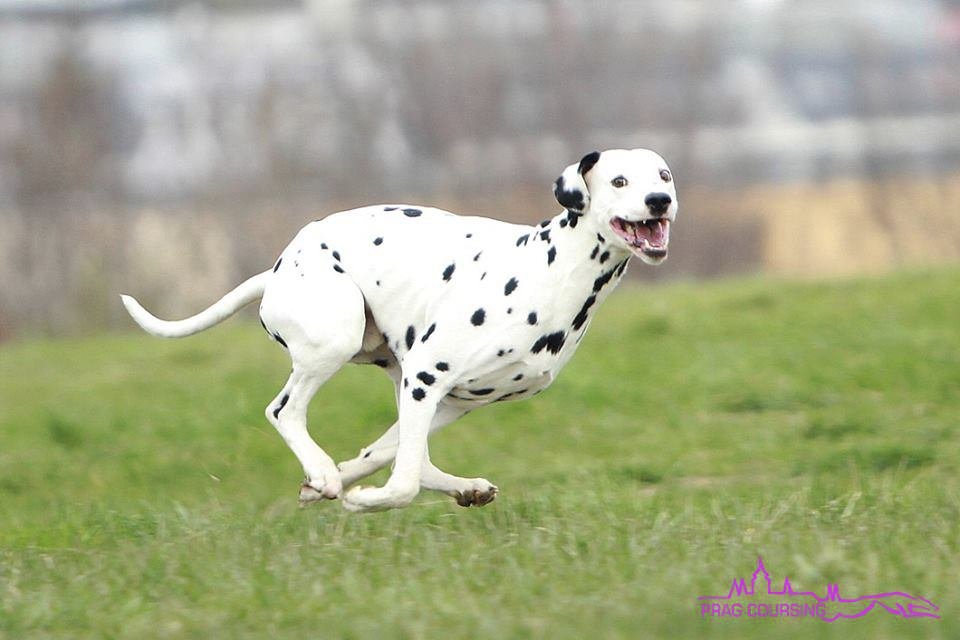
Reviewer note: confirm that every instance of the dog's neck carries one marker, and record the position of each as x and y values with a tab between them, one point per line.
586	259
582	245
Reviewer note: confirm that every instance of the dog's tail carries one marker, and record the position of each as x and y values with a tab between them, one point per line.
219	311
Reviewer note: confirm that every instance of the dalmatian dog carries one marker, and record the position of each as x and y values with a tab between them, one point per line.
459	311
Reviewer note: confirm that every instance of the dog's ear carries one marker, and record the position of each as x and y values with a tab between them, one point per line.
570	188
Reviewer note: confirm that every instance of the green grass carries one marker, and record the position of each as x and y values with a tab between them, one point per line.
142	493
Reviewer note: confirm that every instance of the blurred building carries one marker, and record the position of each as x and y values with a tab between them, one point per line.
112	107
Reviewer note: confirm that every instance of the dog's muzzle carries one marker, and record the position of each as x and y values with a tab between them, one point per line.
648	237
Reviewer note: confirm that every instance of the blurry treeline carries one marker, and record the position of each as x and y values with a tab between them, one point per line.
170	148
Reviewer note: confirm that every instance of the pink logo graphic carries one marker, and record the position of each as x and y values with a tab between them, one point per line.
763	601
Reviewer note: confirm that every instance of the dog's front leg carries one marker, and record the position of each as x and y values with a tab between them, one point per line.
466	491
383	450
416	414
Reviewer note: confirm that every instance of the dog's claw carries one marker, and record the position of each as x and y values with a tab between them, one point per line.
309	495
476	497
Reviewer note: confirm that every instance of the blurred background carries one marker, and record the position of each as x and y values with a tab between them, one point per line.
171	148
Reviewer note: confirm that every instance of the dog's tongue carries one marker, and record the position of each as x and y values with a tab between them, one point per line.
656	234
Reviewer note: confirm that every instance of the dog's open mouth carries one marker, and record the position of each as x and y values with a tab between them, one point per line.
647	237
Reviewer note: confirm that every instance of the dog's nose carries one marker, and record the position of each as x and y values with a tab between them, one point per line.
658	203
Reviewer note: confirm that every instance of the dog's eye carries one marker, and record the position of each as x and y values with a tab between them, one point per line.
665	175
619	182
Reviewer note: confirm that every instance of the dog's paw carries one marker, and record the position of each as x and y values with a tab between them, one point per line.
313	491
482	493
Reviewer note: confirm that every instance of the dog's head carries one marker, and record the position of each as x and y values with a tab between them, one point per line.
629	192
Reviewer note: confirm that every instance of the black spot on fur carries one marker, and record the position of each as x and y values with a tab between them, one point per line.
501	353
381	362
601	239
411	336
390	208
532	317
596	250
563	223
336	256
277	266
262	324
338	268
484	275
426	378
622	267
418	394
442	366
412	213
406	383
551	255
523	239
604	256
573	217
323	245
378	241
545	235
583	314
480	392
277	337
552	342
545	223
510	286
448	272
279	408
478	317
477	257
469	235
509	310
378	283
429	332
602	281
518	377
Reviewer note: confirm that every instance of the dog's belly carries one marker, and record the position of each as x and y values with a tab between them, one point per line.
514	381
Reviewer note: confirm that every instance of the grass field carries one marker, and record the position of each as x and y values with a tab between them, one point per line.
143	495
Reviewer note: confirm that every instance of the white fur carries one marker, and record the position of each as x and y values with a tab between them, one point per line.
336	293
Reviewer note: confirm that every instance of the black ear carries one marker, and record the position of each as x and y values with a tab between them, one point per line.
570	188
587	162
570	191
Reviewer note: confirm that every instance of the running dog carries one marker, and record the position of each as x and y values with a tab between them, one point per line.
459	311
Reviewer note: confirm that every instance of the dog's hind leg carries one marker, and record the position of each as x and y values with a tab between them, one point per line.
288	413
322	334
